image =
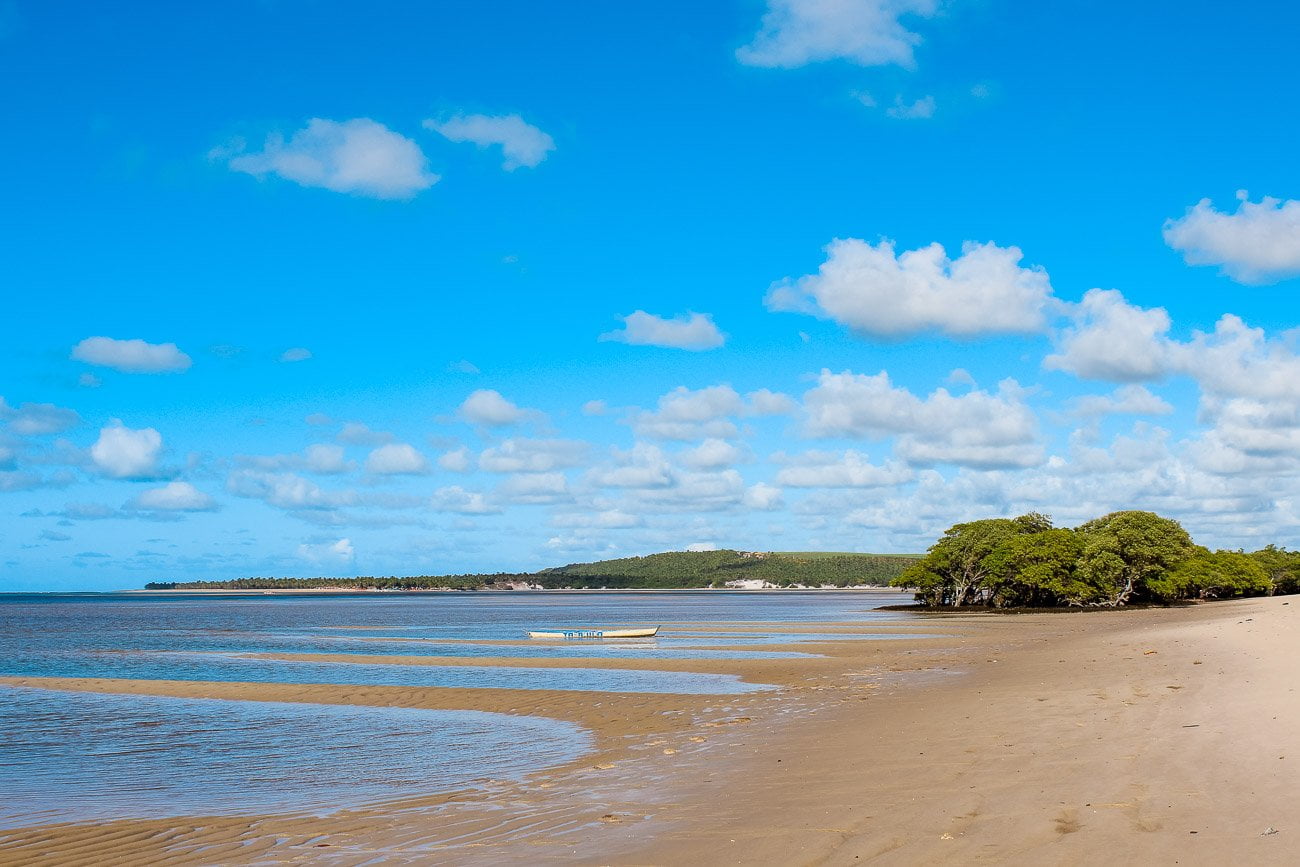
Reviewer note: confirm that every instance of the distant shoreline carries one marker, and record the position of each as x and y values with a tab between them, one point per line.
441	591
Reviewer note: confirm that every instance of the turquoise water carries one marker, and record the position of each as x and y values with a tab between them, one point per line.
67	756
72	756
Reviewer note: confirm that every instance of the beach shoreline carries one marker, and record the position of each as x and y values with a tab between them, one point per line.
1159	734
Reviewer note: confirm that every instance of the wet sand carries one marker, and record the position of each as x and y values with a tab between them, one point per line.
1154	736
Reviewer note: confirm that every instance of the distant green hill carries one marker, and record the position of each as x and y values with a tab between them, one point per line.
674	569
716	568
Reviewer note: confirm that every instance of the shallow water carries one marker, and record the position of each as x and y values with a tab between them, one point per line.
68	756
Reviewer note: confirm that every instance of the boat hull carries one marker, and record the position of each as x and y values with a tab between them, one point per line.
562	634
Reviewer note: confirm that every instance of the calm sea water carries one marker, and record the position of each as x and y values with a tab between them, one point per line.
74	756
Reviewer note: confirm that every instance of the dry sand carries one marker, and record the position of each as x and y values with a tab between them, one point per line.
1135	737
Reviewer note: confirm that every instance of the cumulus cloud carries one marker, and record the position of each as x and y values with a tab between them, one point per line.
847	469
685	414
694	331
297	353
488	407
25	480
1126	400
1259	243
325	459
1113	340
521	143
763	497
124	453
456	461
608	519
868	288
712	454
642	466
354	433
693	492
396	459
976	429
1236	360
319	458
454	498
132	356
358	156
285	490
768	402
173	497
37	419
921	109
864	32
340	552
534	489
532	456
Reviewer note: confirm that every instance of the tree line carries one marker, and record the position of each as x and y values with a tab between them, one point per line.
1118	559
670	570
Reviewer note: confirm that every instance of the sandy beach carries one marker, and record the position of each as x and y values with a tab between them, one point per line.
1154	736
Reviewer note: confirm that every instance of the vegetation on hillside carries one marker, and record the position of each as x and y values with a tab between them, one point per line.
1114	560
672	570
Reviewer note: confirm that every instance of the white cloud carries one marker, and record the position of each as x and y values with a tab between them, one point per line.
865	32
768	402
131	356
297	353
340	552
643	466
1260	243
683	414
693	492
395	459
464	366
456	499
921	109
871	290
534	488
712	454
358	156
320	458
1236	360
848	469
1126	400
594	408
354	433
532	456
124	453
522	144
488	407
763	497
456	461
1113	340
285	490
609	519
173	497
694	331
325	459
977	429
37	419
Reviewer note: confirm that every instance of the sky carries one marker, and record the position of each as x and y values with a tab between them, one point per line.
301	287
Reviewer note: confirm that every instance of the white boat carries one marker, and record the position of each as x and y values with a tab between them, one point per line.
596	633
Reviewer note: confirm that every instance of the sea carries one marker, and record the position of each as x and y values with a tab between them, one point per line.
79	756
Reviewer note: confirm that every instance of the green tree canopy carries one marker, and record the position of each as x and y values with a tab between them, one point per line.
959	569
1125	551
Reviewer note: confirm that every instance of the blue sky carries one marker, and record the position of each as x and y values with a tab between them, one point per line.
300	287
